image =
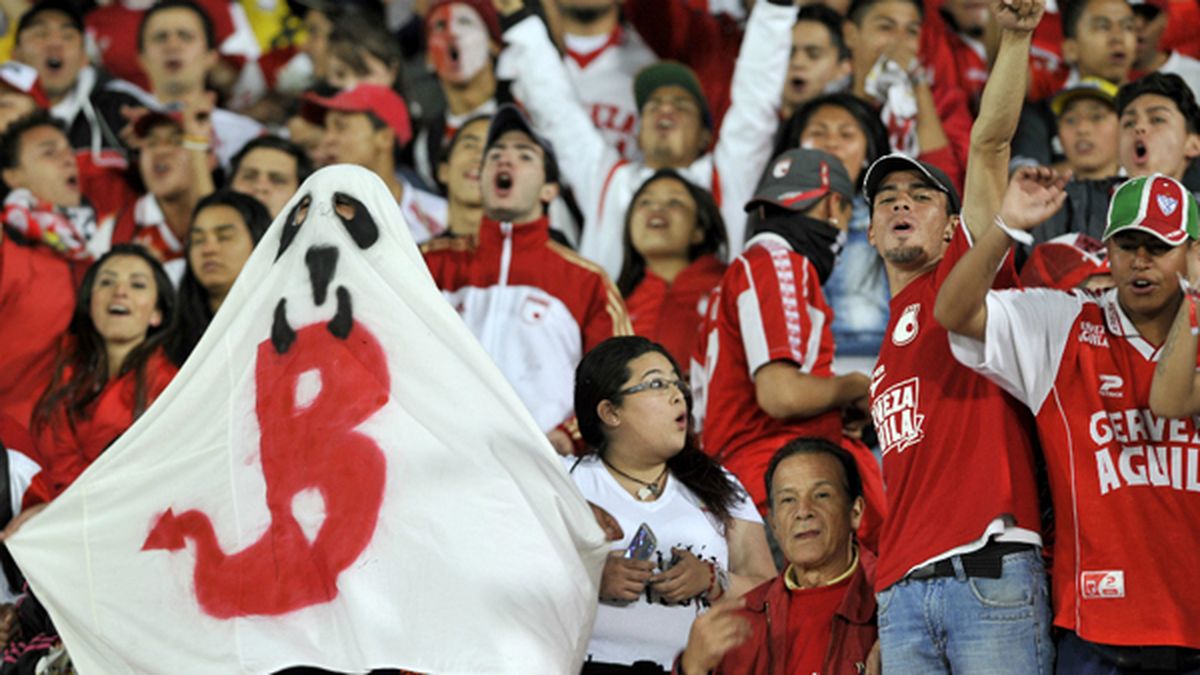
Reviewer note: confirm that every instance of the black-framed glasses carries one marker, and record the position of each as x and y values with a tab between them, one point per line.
659	384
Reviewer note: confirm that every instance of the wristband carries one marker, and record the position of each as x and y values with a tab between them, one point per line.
1019	236
195	143
1191	295
712	581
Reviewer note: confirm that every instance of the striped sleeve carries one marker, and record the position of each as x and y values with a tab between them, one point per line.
775	315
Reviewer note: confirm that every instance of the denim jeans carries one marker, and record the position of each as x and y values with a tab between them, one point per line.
968	625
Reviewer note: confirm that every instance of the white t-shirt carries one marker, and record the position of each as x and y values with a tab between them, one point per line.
649	629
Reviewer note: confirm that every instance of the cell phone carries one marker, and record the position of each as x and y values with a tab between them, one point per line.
642	546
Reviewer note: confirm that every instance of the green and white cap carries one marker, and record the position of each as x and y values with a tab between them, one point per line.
1156	204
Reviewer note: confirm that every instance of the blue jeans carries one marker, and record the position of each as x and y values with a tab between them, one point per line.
967	625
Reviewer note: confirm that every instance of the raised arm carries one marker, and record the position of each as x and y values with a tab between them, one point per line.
1176	388
1033	195
999	112
748	130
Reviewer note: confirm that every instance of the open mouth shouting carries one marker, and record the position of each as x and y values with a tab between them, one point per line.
119	309
503	183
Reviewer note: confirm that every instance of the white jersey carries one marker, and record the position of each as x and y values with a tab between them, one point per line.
648	628
603	181
425	212
602	69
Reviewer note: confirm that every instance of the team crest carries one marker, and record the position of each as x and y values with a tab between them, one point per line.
781	167
906	326
1167	204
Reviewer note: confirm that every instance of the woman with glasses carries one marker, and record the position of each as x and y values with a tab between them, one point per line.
703	538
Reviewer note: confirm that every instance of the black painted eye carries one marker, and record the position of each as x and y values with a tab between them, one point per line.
357	219
292	225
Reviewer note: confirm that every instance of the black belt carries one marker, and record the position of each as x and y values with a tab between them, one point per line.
986	563
1169	659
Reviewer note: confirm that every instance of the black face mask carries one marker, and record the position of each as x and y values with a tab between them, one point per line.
812	238
587	14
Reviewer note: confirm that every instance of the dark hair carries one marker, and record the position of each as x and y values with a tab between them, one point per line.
788	137
448	148
1071	11
858	8
832	21
86	355
10	140
194	311
354	34
708	221
601	374
210	33
304	167
812	445
1169	85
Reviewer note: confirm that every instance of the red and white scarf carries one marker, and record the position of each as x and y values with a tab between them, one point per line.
64	229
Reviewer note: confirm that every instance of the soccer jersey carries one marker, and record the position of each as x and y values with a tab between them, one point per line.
957	450
1125	482
769	307
602	71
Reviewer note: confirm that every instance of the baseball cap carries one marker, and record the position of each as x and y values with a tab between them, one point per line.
508	118
799	178
144	124
71	9
1088	87
485	8
1156	204
24	78
888	164
665	74
1064	262
376	99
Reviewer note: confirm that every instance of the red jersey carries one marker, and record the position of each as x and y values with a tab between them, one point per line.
37	296
66	451
113	28
769	307
947	483
1125	483
810	625
670	313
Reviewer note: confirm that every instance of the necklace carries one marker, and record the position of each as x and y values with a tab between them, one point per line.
648	491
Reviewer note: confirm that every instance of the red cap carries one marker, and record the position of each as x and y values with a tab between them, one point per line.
142	125
24	79
1064	262
376	99
485	8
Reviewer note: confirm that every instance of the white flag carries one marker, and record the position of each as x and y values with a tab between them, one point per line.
338	476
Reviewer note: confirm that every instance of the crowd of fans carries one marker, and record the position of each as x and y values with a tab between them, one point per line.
991	202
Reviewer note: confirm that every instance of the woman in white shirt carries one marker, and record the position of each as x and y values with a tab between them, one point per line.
634	411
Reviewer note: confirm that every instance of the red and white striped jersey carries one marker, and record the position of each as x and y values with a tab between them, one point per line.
769	307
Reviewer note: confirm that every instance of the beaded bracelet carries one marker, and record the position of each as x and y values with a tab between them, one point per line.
712	580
